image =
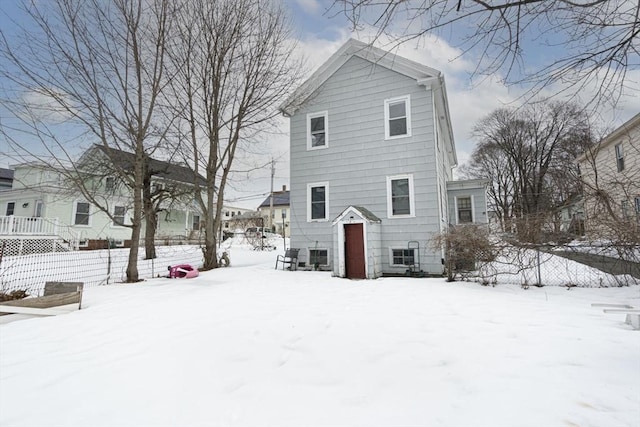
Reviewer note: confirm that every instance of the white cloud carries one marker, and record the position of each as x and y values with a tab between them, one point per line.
45	108
309	6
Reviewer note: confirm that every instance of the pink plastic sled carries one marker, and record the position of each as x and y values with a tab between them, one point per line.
183	271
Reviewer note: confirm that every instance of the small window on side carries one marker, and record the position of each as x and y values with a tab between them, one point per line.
620	157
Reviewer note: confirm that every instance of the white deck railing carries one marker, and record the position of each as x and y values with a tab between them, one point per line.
16	226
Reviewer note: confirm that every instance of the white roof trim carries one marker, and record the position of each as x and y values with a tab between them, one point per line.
357	211
423	74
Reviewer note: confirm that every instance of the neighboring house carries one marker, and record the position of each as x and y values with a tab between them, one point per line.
6	179
234	218
40	205
281	211
611	179
372	153
572	215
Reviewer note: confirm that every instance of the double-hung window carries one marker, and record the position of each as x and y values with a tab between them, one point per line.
397	117
465	210
118	215
317	201
400	199
81	214
317	130
195	224
620	157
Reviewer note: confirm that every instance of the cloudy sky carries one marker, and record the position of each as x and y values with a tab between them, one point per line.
320	32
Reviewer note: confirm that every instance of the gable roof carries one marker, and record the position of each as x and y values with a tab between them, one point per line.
424	76
158	168
613	136
363	213
280	198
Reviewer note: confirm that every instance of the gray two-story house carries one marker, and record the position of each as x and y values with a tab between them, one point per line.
372	153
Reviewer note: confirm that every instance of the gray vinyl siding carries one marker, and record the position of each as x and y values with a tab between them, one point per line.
359	159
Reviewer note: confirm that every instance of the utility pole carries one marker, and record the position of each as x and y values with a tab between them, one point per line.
273	172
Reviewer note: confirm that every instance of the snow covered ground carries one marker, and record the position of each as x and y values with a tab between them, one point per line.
251	346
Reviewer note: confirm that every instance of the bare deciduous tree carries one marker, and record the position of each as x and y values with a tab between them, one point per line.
527	154
585	41
100	67
233	67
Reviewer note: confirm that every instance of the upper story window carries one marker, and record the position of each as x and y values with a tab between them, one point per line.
37	212
11	208
81	213
118	215
317	201
397	117
317	130
465	210
400	200
195	224
110	184
620	157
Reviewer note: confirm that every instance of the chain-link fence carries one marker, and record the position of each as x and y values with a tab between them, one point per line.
94	268
559	265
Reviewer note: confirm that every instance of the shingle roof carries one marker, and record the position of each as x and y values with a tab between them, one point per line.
158	168
6	173
280	198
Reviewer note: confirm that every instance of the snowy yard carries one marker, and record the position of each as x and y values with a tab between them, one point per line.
250	346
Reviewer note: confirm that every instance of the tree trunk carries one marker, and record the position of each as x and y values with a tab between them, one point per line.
151	220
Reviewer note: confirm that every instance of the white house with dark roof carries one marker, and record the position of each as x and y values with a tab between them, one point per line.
281	212
40	207
372	153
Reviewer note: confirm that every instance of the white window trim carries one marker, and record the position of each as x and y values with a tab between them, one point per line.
318	249
391	249
75	210
83	243
387	102
473	208
310	116
124	217
412	201
324	184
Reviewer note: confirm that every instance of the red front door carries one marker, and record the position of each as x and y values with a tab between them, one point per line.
354	251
